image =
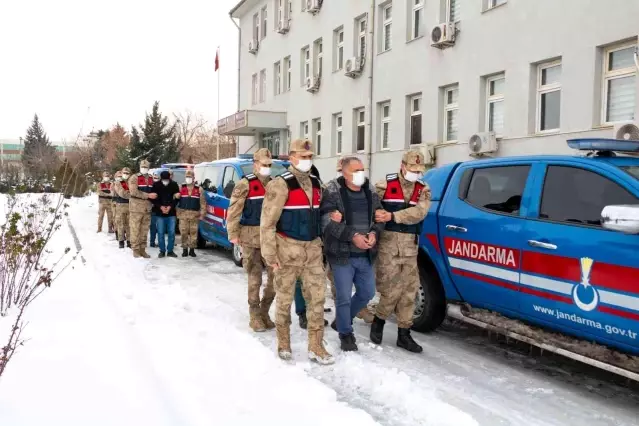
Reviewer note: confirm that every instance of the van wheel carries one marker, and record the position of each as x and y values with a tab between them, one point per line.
237	255
430	301
201	242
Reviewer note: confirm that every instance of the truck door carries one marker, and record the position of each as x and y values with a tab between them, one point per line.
481	223
577	275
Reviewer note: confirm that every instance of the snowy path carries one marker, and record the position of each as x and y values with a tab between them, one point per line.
166	342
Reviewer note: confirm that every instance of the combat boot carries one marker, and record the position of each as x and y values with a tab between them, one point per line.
316	350
284	342
121	244
264	307
185	252
128	244
347	342
405	341
192	253
377	330
256	322
144	254
116	236
366	316
136	253
303	320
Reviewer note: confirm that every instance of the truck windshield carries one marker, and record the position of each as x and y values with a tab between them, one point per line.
632	170
277	169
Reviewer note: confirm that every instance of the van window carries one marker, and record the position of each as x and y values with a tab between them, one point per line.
210	177
230	177
498	188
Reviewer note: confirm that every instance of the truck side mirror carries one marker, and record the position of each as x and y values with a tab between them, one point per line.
621	218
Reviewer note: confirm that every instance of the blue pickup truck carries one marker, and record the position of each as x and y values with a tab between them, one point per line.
549	241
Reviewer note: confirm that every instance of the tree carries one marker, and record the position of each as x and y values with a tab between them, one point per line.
110	141
39	157
204	146
187	126
158	142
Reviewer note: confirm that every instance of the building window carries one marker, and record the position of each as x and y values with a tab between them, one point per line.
548	97
360	129
288	75
256	26
278	78
452	10
361	37
254	89
264	22
495	104
384	131
451	113
281	12
319	57
317	137
304	130
262	85
290	9
620	87
416	19
387	27
306	65
339	49
338	133
416	120
493	3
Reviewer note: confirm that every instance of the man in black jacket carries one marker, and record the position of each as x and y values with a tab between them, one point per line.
350	235
164	208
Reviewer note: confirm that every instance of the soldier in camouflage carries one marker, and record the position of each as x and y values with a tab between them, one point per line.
122	207
105	198
291	245
117	176
140	185
243	227
406	201
190	209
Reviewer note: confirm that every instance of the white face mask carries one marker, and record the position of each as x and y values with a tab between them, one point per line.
304	165
105	179
165	182
265	171
339	174
155	179
144	171
412	176
359	178
188	181
125	177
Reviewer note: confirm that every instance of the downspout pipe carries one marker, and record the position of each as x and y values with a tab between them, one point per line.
239	59
370	53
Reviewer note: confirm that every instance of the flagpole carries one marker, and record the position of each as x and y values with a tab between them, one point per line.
217	155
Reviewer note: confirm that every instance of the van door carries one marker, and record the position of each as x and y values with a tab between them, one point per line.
577	275
211	175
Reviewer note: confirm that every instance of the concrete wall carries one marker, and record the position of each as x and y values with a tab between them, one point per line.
512	39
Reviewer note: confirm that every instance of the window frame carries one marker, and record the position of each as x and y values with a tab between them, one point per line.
449	10
545	89
256	26
224	182
319	58
414	113
317	138
306	65
490	99
288	73
263	85
339	132
613	75
450	107
339	49
468	180
384	121
387	25
491	4
278	77
416	25
304	130
358	124
263	22
255	89
361	37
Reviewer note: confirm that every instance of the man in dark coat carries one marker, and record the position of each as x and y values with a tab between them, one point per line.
168	193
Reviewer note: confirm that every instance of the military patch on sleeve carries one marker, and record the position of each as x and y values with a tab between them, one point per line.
392	176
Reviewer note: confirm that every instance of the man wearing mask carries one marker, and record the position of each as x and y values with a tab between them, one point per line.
141	195
153	227
168	195
243	226
105	198
406	201
291	245
122	207
191	206
350	232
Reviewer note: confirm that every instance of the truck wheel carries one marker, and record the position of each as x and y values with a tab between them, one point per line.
430	301
237	255
201	242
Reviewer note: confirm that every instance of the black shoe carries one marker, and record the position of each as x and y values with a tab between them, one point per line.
192	253
121	244
171	254
185	252
347	342
405	341
161	255
152	244
377	330
303	320
128	244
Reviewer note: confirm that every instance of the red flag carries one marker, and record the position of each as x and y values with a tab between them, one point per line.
217	60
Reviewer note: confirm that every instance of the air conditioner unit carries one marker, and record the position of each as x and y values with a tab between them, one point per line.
628	130
482	143
443	35
353	67
283	26
253	45
428	151
312	84
313	6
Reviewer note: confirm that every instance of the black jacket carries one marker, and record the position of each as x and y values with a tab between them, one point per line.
337	237
166	197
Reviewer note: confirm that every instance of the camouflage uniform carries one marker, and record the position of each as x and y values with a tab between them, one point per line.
296	257
396	270
114	204
190	218
139	213
246	203
122	209
105	198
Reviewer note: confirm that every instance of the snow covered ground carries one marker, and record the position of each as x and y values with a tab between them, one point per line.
122	341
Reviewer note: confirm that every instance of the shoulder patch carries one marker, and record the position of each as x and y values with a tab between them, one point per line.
287	175
392	176
251	176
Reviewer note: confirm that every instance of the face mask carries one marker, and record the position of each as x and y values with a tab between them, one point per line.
119	178
339	174
359	178
156	179
165	182
188	181
304	165
125	177
105	179
144	171
412	176
265	171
